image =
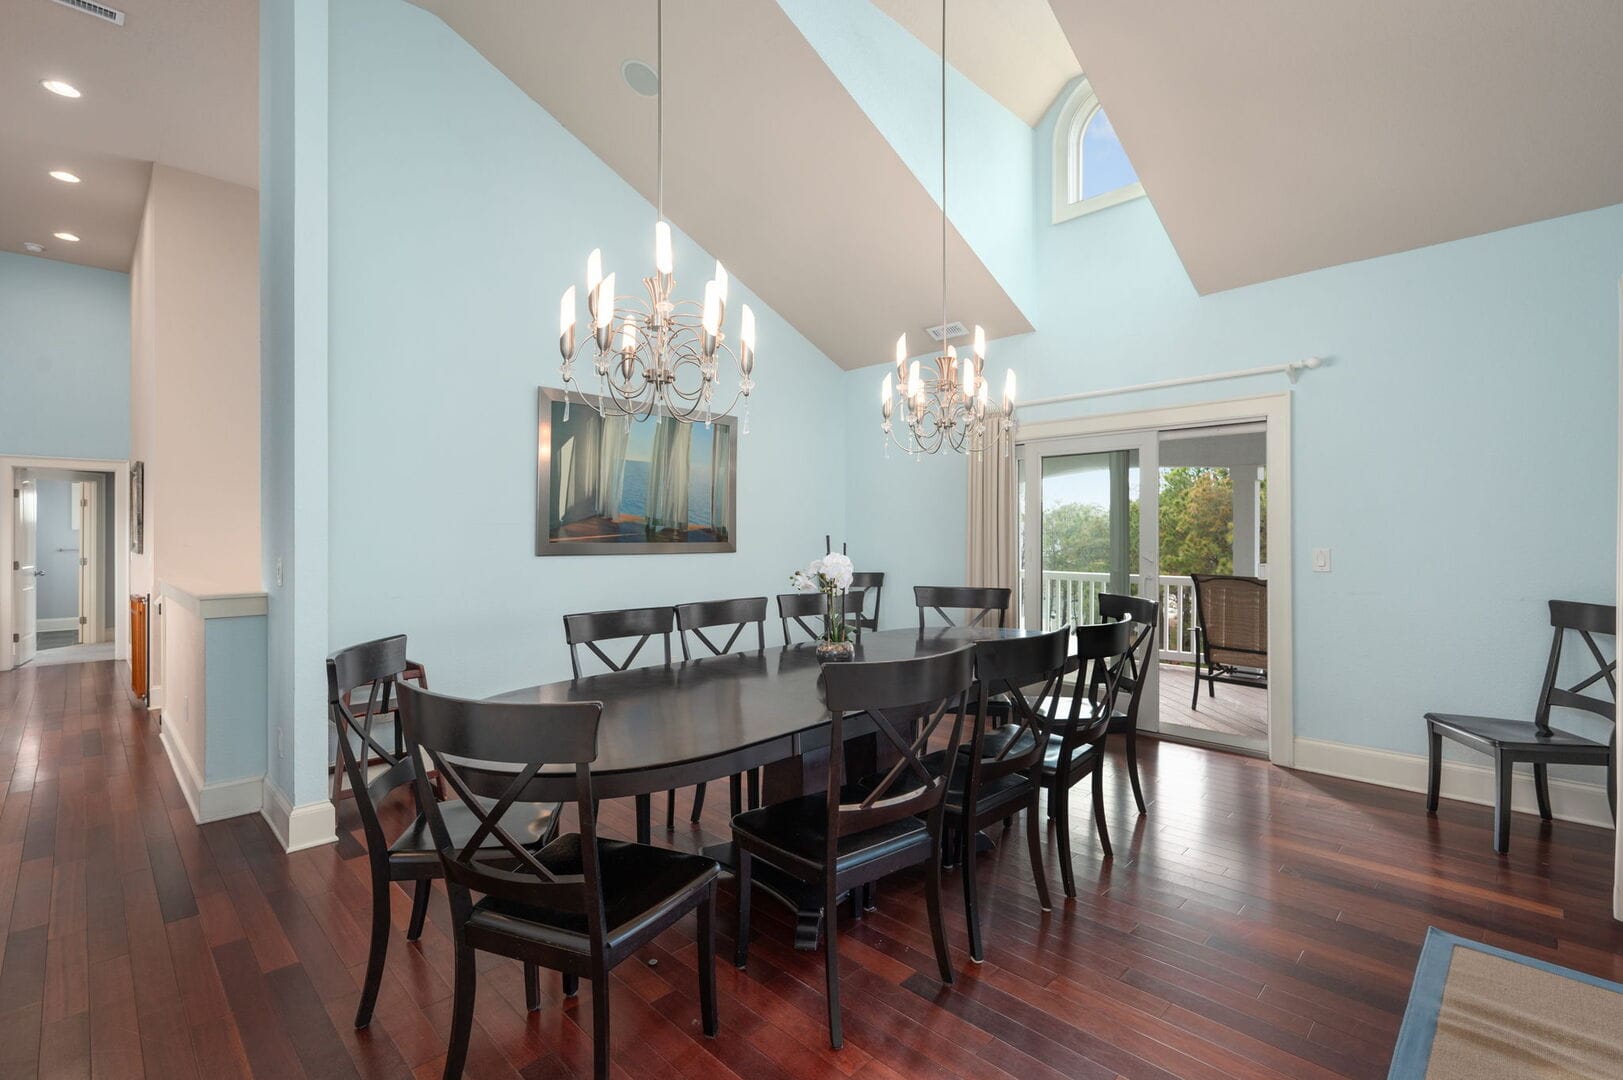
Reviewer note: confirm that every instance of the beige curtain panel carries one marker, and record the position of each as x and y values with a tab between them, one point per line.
993	554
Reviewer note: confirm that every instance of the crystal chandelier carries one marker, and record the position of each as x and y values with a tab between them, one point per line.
947	407
655	355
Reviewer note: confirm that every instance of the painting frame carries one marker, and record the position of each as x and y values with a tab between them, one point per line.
138	510
548	545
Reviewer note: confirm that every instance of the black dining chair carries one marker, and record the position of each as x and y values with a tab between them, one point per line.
1145	615
976	605
1075	747
639	626
579	905
413	672
1536	742
854	833
872	583
796	608
998	774
373	671
695	619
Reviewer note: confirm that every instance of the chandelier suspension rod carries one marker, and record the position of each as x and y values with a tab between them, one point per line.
659	109
943	177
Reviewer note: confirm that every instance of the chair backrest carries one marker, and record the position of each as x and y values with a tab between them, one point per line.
1009	667
872	583
1586	620
797	608
1232	613
896	695
371	671
1100	649
488	752
696	618
980	606
1145	615
591	627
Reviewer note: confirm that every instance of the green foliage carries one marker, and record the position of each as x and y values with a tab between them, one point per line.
1196	519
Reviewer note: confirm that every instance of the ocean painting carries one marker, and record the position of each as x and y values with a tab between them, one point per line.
612	485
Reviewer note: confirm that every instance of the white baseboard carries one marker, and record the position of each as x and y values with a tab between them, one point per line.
67	622
210	802
1570	800
299	827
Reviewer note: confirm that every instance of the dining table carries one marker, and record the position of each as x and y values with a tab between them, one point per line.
673	725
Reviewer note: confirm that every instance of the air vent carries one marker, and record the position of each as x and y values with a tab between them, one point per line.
947	332
100	11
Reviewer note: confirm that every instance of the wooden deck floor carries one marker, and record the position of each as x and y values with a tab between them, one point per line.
1235	710
1256	923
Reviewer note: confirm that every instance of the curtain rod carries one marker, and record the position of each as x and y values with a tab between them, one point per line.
1292	369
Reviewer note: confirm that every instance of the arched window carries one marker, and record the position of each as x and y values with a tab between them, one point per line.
1091	170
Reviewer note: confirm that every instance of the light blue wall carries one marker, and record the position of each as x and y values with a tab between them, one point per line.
64	359
896	80
1459	453
236	690
460	213
293	208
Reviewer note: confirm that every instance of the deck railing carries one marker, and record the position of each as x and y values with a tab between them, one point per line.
1073	597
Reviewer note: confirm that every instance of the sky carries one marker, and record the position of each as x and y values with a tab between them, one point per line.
1104	163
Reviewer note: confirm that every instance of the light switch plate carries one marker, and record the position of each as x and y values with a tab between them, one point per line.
1321	560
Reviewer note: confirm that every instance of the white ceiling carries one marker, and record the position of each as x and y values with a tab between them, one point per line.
1012	49
1279	136
770	164
177	83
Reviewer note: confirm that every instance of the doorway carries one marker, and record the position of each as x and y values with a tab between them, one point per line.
1172	504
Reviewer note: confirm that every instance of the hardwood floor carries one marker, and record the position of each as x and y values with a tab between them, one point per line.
1257	923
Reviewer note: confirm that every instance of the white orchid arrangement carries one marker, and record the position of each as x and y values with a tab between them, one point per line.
831	576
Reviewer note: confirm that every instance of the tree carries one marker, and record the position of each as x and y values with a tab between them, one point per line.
1197	521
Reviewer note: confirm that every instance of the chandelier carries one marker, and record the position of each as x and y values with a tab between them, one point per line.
655	355
945	407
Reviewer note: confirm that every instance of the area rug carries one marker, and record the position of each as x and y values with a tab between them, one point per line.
1480	1013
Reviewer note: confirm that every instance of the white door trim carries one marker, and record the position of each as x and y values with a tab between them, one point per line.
1275	409
121	540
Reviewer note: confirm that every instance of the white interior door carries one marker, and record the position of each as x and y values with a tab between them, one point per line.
88	495
1089	525
25	570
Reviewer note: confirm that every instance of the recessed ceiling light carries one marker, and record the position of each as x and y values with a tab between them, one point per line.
64	176
33	248
60	88
69	237
640	77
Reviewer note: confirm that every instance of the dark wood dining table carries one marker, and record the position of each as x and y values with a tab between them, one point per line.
670	726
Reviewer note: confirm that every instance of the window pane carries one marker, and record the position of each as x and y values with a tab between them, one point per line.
1104	164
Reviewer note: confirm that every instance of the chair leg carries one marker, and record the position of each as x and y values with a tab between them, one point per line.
377	952
1434	770
972	914
1132	767
1503	770
1059	809
831	961
707	962
600	1023
698	804
1099	822
456	1055
741	945
753	787
571	984
1194	699
1034	847
532	987
735	794
1541	785
645	810
932	903
670	810
419	908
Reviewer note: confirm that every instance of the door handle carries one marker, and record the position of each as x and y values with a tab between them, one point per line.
39	573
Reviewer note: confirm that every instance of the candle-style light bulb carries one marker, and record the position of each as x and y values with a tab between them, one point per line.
566	323
966	376
628	337
901	359
663	260
712	309
915	382
980	344
885	396
746	328
603	313
1008	392
721	281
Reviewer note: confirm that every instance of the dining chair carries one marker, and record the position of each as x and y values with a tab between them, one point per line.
695	619
998	774
1076	744
374	670
871	582
851	834
593	628
796	608
579	905
977	605
1535	741
1145	615
413	672
1231	632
